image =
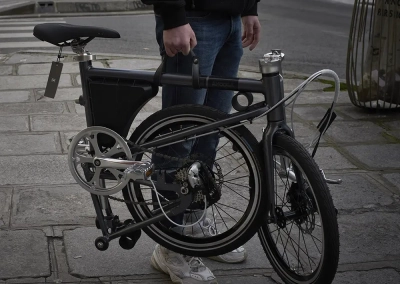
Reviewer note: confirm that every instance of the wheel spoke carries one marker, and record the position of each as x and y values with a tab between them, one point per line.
237	178
116	149
82	159
231	189
95	144
234	169
96	178
230	207
216	206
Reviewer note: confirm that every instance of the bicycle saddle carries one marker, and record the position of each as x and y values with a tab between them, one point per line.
58	33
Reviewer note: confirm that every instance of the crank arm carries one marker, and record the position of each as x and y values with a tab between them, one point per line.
133	169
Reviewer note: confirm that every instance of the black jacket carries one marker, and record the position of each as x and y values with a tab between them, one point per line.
173	11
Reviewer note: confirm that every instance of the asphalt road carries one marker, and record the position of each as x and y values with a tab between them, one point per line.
312	33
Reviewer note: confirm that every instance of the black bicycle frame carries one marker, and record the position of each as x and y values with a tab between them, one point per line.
271	86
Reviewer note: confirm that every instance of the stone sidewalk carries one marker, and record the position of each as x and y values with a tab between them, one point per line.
47	227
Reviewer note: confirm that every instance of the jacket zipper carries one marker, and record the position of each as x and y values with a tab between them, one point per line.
193	6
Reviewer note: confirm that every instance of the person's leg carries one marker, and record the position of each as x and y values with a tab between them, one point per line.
226	65
209	31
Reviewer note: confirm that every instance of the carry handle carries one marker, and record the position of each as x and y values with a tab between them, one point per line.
195	70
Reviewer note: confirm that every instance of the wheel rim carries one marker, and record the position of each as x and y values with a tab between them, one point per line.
296	241
234	176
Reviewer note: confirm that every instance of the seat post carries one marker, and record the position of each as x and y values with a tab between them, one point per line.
85	63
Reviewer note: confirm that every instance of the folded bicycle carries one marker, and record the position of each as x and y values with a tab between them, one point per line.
241	186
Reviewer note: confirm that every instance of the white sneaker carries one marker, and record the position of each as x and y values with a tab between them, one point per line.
207	228
182	269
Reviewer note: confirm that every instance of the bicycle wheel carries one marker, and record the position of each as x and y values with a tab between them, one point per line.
303	244
235	217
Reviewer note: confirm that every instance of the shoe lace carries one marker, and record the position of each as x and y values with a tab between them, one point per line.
195	263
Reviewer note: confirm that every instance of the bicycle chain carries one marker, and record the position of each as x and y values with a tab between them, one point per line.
133	146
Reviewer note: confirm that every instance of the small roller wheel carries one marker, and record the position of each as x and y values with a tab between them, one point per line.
128	242
101	243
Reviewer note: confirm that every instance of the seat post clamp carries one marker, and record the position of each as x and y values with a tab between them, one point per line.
78	47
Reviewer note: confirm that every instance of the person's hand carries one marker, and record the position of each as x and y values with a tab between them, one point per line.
179	39
252	31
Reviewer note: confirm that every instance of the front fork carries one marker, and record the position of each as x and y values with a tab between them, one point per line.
271	69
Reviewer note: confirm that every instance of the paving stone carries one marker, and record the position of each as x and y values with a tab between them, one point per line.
394	178
14	123
14	96
356	131
65	139
32	108
381	276
26	252
135	64
358	191
57	205
328	158
24	144
314	113
232	279
303	132
377	156
36	69
86	261
392	125
367	237
30	58
35	169
58	122
361	113
395	134
153	105
31	82
291	84
5	70
322	98
78	80
5	206
26	281
63	94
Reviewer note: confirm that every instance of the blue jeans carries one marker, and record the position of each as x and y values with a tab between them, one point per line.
219	49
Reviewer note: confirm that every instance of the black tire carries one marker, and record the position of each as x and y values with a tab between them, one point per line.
303	248
247	186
